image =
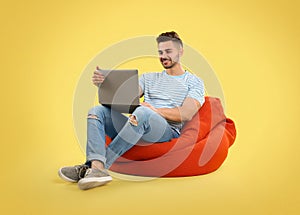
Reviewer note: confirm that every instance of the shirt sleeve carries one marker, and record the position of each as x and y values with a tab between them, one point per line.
197	90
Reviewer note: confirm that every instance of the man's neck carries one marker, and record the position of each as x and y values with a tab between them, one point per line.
175	70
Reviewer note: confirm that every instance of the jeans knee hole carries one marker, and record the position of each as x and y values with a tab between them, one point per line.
91	116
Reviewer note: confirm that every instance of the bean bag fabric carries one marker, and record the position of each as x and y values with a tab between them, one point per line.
201	148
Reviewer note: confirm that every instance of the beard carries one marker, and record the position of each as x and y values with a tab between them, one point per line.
169	63
168	66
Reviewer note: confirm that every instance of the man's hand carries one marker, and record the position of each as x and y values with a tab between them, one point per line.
98	77
145	104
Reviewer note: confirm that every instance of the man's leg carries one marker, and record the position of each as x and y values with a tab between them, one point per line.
101	121
150	127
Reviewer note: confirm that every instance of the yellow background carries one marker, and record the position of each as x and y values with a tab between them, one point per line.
253	47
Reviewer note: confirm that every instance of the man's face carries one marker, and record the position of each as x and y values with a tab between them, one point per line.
169	53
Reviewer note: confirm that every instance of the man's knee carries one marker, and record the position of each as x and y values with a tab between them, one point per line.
140	115
141	110
91	116
96	112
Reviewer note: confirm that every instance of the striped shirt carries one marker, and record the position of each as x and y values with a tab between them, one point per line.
166	91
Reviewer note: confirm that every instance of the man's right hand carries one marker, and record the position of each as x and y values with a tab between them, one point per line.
98	77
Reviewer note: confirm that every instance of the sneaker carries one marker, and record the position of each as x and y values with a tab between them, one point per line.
73	173
94	178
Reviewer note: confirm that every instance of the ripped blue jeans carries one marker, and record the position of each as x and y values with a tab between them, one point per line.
103	121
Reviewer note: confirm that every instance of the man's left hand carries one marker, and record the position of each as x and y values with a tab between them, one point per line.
145	104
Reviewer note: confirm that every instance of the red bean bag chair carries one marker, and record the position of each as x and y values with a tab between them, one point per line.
201	148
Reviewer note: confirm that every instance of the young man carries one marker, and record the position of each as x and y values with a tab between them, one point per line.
172	97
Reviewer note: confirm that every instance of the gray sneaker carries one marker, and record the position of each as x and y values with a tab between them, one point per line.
94	178
72	173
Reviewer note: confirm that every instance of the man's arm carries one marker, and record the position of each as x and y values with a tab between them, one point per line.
184	113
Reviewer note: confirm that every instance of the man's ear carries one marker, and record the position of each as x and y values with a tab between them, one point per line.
181	51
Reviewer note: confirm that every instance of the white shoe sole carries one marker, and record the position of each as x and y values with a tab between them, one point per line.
87	183
62	176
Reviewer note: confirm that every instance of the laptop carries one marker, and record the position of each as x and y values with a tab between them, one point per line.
120	90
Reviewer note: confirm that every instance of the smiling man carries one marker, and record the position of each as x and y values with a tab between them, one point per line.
171	98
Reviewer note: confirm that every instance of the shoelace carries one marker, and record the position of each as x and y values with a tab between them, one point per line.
81	169
88	171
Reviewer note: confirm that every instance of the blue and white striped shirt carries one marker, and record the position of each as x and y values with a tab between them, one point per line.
166	91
